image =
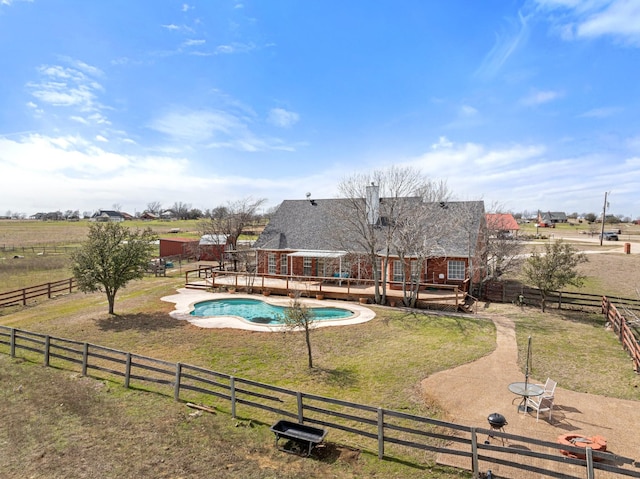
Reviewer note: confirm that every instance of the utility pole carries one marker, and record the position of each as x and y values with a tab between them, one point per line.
604	215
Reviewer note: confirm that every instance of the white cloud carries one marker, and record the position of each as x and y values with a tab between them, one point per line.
7	3
539	97
282	118
215	129
468	111
505	45
443	142
74	87
235	48
101	139
193	42
197	126
619	19
69	172
604	112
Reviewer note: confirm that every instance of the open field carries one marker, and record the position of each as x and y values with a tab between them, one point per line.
38	234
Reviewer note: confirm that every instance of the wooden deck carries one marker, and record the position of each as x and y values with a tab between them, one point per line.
431	296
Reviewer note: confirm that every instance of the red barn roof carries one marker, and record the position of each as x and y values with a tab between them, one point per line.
502	222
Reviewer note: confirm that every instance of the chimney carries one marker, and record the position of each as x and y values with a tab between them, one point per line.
372	203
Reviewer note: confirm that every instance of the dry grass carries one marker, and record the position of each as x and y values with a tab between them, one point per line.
57	424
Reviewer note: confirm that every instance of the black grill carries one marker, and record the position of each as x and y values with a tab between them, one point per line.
497	420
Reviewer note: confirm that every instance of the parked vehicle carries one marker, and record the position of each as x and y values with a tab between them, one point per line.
610	236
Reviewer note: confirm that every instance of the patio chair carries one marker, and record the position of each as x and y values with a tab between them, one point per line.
549	388
541	404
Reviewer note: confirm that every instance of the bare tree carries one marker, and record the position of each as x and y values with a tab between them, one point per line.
503	248
181	210
154	207
225	223
377	205
298	317
422	236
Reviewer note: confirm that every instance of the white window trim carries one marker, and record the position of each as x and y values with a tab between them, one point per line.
453	270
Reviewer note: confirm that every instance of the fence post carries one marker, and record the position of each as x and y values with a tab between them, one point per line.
232	386
380	433
47	345
24	296
70	285
589	454
127	371
176	386
474	454
300	407
85	358
13	342
49	290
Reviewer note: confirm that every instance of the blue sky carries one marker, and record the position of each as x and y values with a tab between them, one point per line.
528	104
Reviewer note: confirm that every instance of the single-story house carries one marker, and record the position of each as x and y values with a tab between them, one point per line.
305	238
148	216
502	225
107	215
552	217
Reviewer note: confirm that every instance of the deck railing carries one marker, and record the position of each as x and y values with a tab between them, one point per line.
331	287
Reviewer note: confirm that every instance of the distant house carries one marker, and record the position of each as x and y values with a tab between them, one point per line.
107	215
300	240
148	216
552	217
502	224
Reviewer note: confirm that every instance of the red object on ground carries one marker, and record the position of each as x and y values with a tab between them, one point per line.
596	443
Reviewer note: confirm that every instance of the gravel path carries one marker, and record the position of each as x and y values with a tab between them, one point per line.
469	393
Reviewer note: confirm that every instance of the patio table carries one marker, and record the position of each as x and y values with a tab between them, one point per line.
526	390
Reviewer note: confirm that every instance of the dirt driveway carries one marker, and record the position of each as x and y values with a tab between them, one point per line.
469	393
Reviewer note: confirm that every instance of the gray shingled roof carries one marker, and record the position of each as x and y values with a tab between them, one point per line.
301	225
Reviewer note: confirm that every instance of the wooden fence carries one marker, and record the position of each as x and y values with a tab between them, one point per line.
509	291
37	248
22	296
387	431
625	333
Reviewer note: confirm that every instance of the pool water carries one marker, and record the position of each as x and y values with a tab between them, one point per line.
258	311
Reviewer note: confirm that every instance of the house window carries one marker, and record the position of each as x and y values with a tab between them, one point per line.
271	263
283	264
455	270
398	271
306	266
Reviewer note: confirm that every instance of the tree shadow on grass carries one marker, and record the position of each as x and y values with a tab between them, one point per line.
138	322
341	377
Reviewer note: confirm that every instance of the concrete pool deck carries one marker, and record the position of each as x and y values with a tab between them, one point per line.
185	299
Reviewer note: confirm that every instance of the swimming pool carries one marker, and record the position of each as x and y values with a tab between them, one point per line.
257	311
